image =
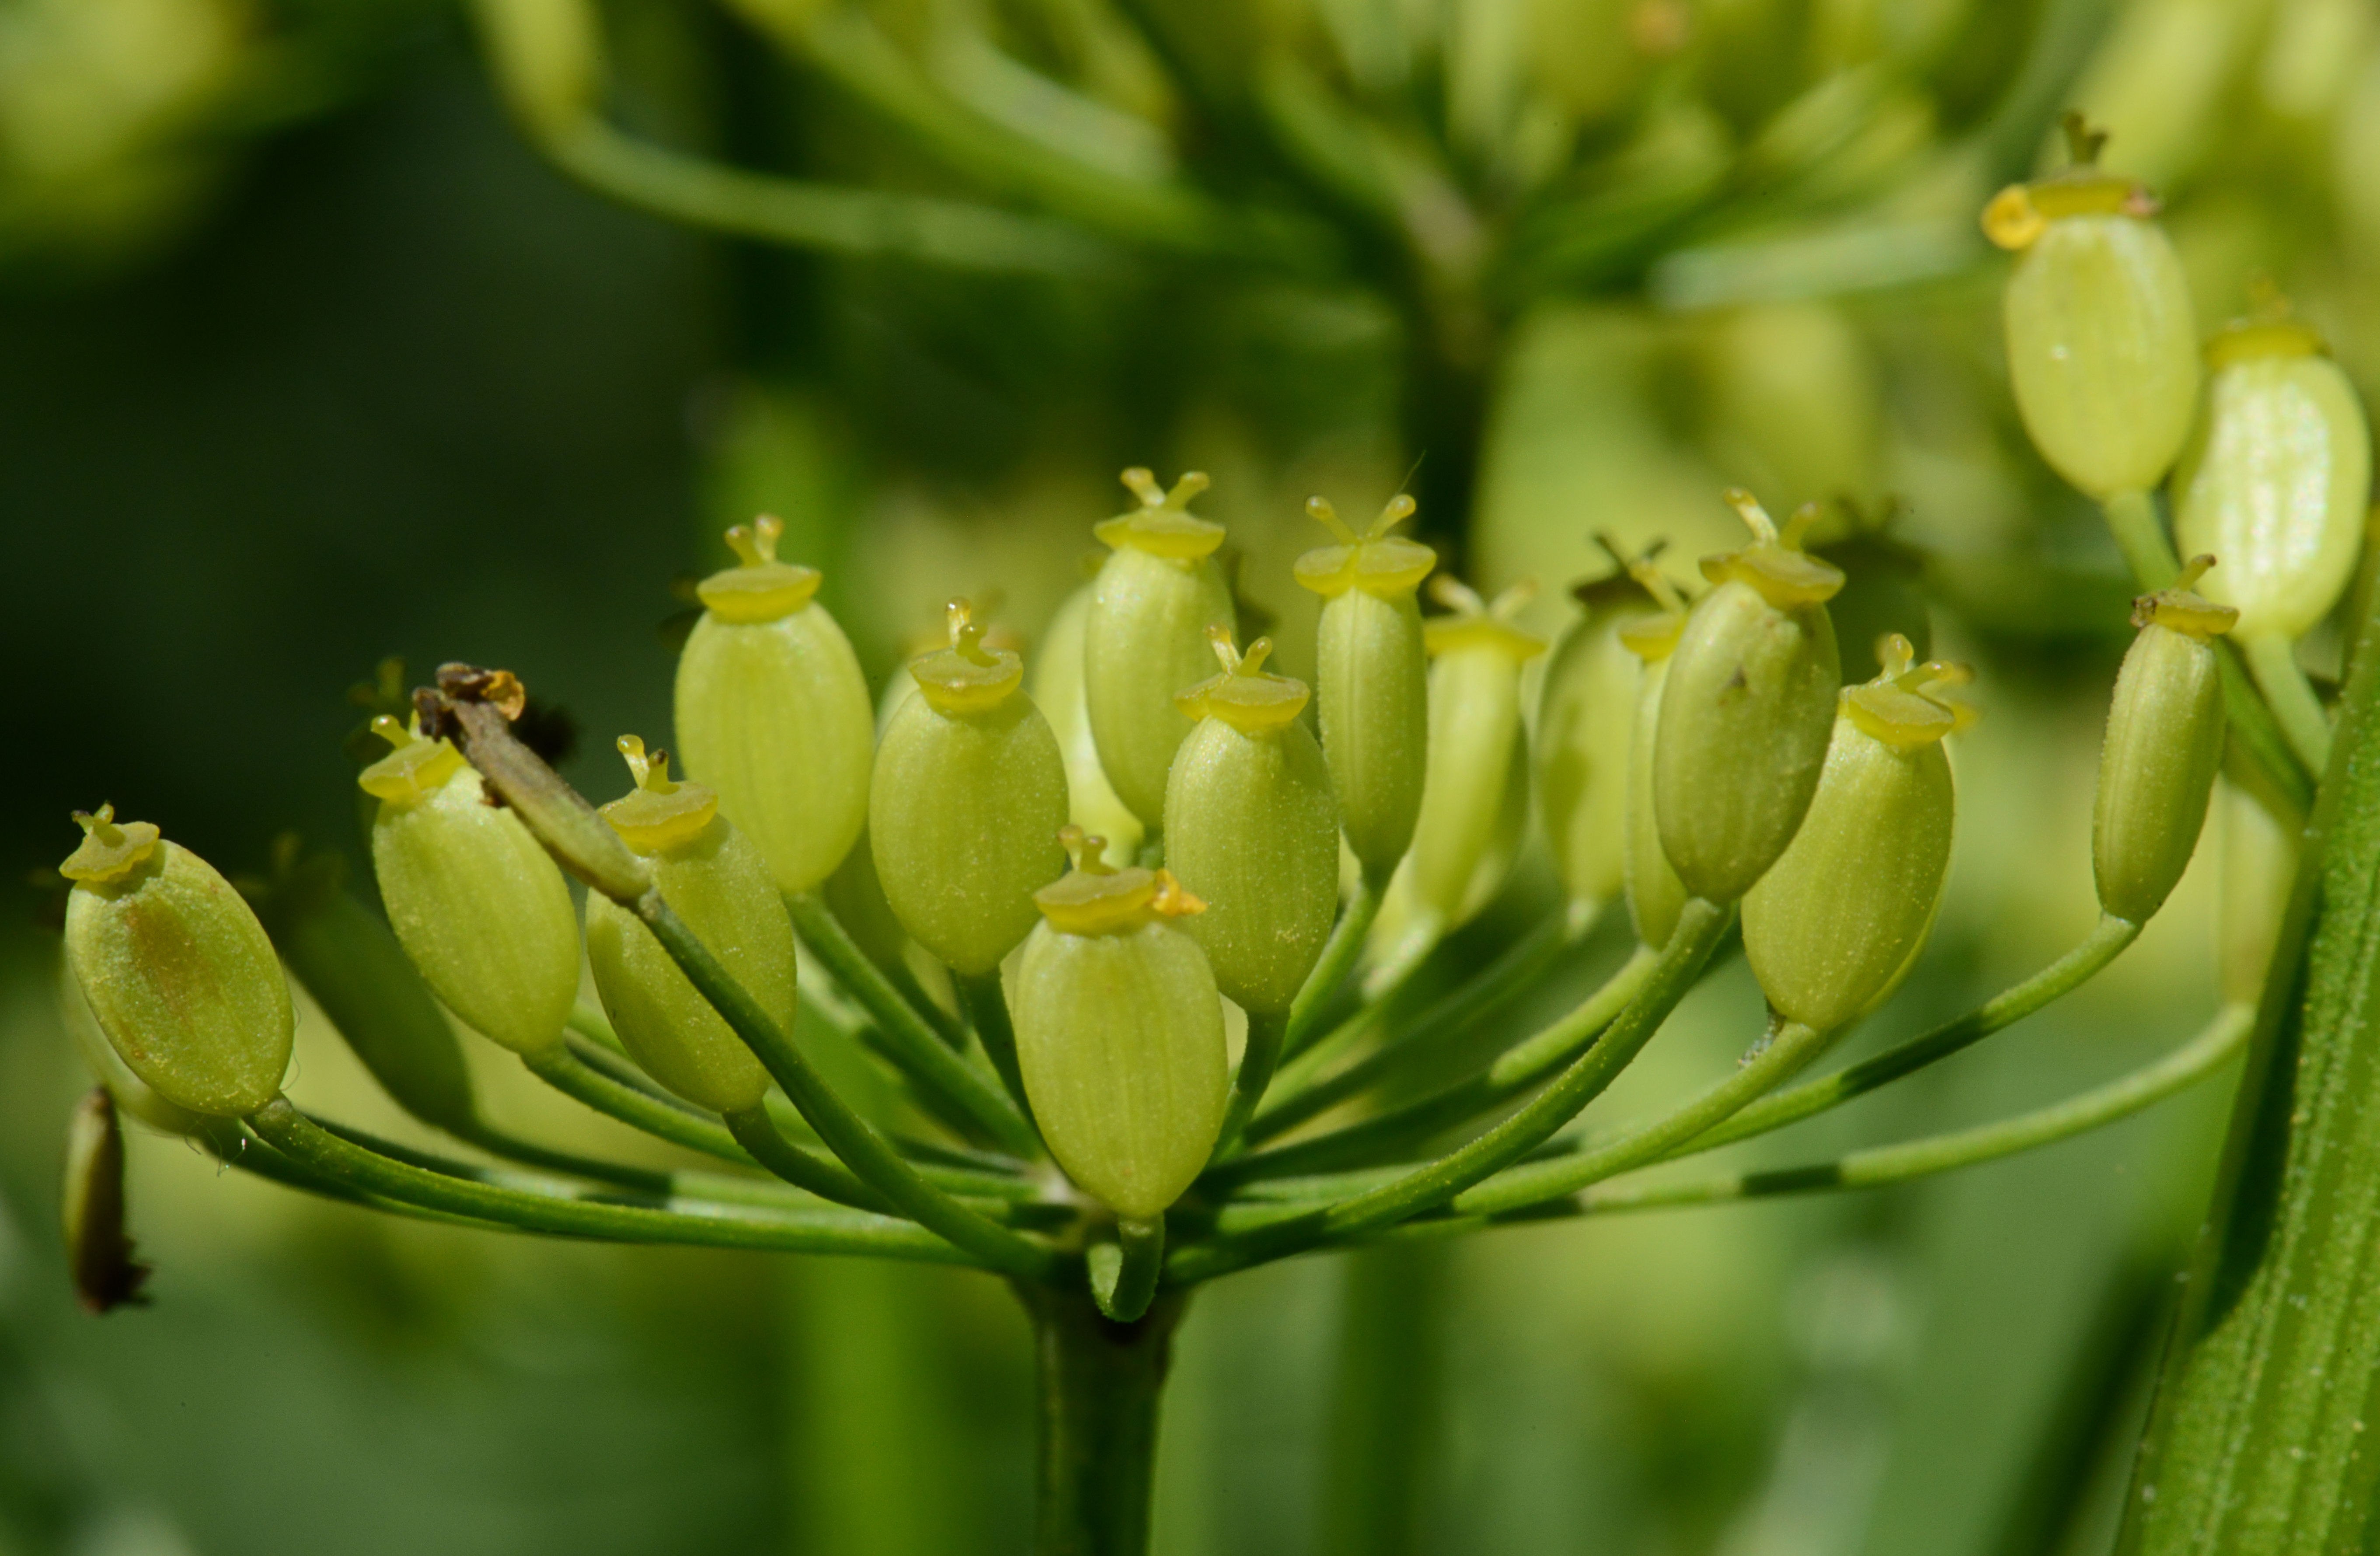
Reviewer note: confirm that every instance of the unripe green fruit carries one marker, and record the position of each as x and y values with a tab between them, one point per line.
965	808
1119	1034
2275	480
2165	742
1373	678
773	714
1147	637
1747	710
2260	863
1251	831
1586	714
131	1093
1475	739
719	884
178	973
1837	921
1655	895
1059	692
2102	343
477	902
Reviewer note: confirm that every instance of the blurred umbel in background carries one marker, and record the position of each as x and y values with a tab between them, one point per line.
311	357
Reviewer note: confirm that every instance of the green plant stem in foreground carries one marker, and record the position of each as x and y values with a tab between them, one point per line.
2107	939
2220	1042
987	1005
1123	1273
823	1231
2274	771
1700	929
2273	661
1098	1383
2260	1441
910	1038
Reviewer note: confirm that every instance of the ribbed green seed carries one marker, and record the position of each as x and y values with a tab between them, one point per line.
1059	691
1586	715
1747	710
1119	1034
2164	744
178	974
774	713
2102	342
720	885
1655	895
477	902
1837	921
1156	595
131	1093
2276	479
1251	829
965	808
1372	677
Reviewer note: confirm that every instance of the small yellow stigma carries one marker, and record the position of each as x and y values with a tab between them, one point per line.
2019	214
1650	636
2181	608
760	588
967	676
414	768
1909	704
1244	695
1095	898
1376	562
659	812
1164	526
2267	331
1477	623
110	850
1775	562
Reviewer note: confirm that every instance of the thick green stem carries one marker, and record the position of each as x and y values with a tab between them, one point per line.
2259	1441
1098	1384
909	1039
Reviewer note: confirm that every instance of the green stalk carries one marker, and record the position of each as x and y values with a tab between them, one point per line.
826	1231
1791	1046
1300	1091
1403	1128
2256	737
1098	1384
907	1038
987	1006
1250	1077
2070	972
798	1166
561	1069
1700	929
1124	1272
865	1151
2259	1440
2218	1042
1331	969
2273	661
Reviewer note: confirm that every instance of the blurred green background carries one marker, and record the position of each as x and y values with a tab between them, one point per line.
307	360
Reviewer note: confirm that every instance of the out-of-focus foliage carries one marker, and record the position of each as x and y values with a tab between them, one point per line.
303	361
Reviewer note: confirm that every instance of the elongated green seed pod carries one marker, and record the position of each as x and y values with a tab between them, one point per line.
1120	1034
1586	715
2165	742
177	971
1060	692
2102	343
1474	738
1372	672
477	902
1251	830
2277	478
774	713
1747	708
1655	895
2260	865
964	811
719	884
90	1209
1837	921
1146	638
356	971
